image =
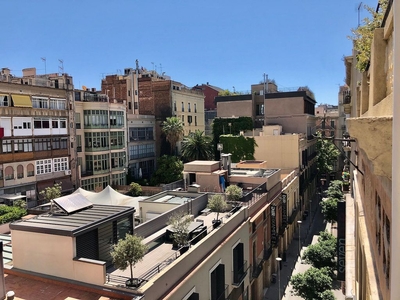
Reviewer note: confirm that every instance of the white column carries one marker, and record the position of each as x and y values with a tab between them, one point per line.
395	238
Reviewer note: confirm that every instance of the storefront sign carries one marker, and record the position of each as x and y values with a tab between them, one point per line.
341	241
284	211
274	233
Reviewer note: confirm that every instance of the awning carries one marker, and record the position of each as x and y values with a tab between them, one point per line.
12	196
21	101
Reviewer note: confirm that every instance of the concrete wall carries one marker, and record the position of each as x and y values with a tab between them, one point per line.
54	255
228	109
280	151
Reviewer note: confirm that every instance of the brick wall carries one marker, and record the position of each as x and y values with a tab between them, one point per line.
117	88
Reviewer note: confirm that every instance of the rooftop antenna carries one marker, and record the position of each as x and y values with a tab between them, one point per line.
61	66
44	60
359	10
153	65
161	68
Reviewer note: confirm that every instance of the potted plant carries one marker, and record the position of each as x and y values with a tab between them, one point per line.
346	186
128	252
234	194
217	204
179	223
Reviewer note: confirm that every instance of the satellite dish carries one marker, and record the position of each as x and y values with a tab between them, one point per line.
84	88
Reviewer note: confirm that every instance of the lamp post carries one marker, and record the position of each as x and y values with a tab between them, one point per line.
299	222
278	259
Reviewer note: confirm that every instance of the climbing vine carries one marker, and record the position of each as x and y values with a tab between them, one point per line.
241	148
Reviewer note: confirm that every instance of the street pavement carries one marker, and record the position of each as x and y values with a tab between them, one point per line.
293	265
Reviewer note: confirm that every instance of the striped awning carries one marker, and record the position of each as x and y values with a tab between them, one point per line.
21	101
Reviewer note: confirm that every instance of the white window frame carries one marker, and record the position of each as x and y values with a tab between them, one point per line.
40	102
57	103
60	164
44	166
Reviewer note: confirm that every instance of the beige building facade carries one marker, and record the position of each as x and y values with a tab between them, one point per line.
370	125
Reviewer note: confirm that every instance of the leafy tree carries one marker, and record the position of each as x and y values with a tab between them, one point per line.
241	148
20	204
233	193
321	254
180	225
217	204
173	129
169	169
327	295
312	284
135	189
197	146
128	252
329	209
335	191
327	153
364	34
51	192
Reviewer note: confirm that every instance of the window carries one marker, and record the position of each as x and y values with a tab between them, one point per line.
95	184
195	108
77	120
118	160
43	166
94	141
6	146
95	118
239	268
9	173
77	96
141	133
40	102
189	118
217	280
189	107
23	145
4	100
141	151
174	105
42	144
60	164
39	123
195	120
183	120
60	104
117	118
20	171
26	125
135	105
79	143
97	163
183	107
30	170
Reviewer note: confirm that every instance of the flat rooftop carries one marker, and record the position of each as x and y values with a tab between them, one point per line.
73	223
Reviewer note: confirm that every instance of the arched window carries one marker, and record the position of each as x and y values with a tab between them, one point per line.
30	170
20	171
9	174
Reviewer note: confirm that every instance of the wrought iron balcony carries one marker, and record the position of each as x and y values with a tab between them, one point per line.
267	253
346	97
257	268
239	275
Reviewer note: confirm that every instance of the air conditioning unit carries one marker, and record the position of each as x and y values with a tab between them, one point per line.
67	172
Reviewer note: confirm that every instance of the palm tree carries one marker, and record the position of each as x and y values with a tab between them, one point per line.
173	129
197	146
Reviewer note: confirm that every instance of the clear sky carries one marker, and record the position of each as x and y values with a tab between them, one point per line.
227	43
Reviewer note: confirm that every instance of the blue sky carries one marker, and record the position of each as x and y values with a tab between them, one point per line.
226	43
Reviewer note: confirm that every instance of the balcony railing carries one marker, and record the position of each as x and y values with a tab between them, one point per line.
346	97
225	294
267	253
257	268
239	275
141	155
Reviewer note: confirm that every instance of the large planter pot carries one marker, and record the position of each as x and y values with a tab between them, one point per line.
216	223
346	187
133	282
183	249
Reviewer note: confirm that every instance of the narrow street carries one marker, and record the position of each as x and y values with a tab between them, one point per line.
293	265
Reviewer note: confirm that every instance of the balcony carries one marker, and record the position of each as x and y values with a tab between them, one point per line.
225	294
257	267
267	253
347	102
239	275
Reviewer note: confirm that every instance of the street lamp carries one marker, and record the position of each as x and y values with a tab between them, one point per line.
299	222
278	259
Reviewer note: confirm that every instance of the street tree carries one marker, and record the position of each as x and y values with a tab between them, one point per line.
217	204
329	209
51	192
320	255
127	252
312	284
173	130
169	169
327	153
197	146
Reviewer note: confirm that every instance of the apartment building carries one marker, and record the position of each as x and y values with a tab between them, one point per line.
141	138
188	105
36	134
101	140
369	101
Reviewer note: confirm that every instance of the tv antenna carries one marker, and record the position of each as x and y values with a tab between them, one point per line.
61	66
44	60
359	10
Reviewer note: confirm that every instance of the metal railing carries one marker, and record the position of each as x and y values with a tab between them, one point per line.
239	275
257	267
